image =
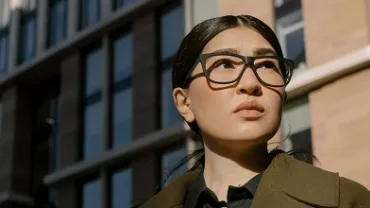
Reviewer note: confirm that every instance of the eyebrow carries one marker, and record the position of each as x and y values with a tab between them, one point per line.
227	50
264	52
256	51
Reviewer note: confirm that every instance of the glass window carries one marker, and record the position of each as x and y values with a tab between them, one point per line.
4	13
58	21
122	97
28	37
91	194
169	160
171	34
94	65
3	50
290	29
91	10
296	127
121	3
93	114
121	188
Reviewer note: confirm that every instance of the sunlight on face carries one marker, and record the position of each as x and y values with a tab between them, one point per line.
244	110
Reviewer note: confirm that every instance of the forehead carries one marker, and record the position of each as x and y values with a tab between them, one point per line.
243	39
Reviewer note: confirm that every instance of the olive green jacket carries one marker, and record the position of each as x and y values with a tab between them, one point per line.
286	183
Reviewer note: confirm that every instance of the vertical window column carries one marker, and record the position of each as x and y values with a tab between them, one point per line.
171	33
146	104
122	89
93	144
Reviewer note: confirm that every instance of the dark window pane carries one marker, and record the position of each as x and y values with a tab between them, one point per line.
28	40
54	137
91	194
169	160
122	108
122	57
121	3
93	130
172	32
94	65
121	188
295	46
170	114
3	51
58	21
90	12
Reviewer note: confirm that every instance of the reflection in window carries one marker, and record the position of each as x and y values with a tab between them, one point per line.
28	35
171	34
4	41
90	12
91	194
122	97
290	29
58	21
121	188
93	114
169	160
121	3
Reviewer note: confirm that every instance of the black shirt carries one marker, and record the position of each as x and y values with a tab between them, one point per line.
199	196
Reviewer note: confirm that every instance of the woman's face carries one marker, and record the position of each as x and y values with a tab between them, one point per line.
244	110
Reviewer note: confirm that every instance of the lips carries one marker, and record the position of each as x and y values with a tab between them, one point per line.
250	110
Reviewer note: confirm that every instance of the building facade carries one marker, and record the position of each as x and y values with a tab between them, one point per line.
86	112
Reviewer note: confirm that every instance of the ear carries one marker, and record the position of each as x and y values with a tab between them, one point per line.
183	104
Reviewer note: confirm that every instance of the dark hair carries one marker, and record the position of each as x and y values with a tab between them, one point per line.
192	47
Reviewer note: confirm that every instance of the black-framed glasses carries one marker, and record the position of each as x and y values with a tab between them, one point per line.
226	68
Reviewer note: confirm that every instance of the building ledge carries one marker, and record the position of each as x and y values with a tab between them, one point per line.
317	76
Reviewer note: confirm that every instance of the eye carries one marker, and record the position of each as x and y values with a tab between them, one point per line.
224	63
267	65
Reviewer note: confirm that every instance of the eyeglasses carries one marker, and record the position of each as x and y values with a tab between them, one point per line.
226	68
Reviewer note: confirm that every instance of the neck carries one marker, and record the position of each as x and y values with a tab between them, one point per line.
232	166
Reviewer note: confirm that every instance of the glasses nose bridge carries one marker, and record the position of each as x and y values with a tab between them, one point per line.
248	61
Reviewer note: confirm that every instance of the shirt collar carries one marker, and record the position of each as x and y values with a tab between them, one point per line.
199	186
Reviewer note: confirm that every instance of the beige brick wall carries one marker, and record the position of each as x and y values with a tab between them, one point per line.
333	28
341	126
262	9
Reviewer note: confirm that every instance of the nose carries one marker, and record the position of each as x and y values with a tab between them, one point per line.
249	84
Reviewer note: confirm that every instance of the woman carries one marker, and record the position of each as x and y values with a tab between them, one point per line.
229	80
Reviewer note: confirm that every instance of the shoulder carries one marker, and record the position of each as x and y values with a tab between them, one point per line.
315	185
353	194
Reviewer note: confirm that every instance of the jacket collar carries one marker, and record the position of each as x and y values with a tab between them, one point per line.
287	182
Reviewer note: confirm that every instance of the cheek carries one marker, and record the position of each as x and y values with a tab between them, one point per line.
205	101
